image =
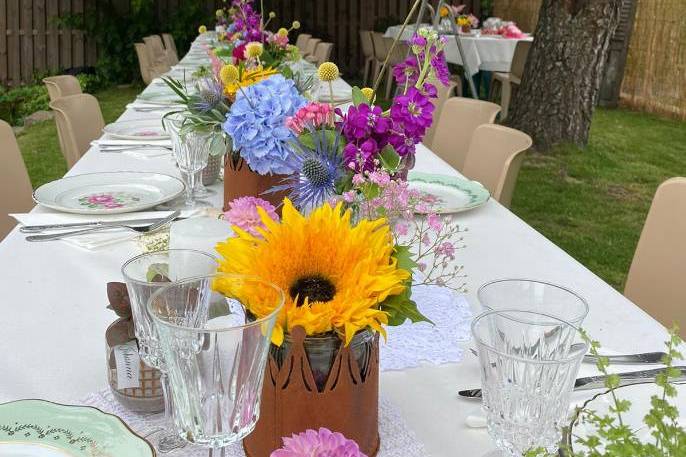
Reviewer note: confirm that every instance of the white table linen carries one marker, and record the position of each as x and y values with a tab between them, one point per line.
54	316
484	52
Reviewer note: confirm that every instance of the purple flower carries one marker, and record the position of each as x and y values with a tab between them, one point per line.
414	111
440	68
321	443
366	130
406	72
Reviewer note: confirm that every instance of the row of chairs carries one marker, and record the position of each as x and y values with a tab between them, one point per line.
156	56
314	50
504	84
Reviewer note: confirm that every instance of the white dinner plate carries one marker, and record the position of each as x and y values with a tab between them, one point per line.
141	129
453	194
108	193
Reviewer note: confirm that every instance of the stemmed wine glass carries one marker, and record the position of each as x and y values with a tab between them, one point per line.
216	353
191	148
144	275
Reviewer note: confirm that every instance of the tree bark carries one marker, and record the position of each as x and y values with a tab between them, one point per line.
555	101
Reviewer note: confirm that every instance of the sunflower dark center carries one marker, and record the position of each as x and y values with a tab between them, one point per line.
315	288
315	172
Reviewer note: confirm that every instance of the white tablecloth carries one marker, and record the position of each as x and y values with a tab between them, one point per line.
54	317
484	52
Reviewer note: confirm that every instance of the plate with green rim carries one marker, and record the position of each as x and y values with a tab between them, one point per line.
39	428
454	194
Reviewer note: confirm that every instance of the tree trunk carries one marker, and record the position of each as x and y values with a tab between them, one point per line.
555	101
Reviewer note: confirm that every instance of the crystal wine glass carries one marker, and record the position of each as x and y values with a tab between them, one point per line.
191	148
529	362
144	275
215	355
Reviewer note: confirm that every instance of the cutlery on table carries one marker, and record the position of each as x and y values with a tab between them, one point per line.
132	147
145	229
598	382
72	225
620	359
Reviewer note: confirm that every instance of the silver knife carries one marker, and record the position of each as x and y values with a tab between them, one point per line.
598	382
41	228
629	359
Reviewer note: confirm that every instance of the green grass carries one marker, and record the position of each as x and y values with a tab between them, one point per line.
591	203
39	144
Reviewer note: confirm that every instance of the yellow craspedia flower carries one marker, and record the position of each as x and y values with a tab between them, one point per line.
219	13
229	74
282	31
334	273
444	11
328	71
295	25
248	78
272	15
202	29
368	93
254	49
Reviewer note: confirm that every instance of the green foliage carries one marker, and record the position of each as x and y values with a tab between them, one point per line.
116	29
612	437
19	102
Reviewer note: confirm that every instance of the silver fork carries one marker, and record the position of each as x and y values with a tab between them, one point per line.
145	229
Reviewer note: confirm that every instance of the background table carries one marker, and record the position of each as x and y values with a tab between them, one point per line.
482	53
53	322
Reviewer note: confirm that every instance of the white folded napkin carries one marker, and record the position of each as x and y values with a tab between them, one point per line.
139	149
140	105
107	141
95	240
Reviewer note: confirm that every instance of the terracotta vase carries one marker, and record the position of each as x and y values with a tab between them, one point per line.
293	401
241	181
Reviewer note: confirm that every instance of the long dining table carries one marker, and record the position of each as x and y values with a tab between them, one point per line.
54	312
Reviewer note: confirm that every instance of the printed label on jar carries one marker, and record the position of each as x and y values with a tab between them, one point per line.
128	365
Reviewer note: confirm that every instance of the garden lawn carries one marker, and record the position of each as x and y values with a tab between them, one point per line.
40	146
591	203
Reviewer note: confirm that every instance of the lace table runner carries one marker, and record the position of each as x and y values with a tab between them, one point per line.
410	344
397	440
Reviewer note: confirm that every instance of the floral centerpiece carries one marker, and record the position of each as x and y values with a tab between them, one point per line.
467	22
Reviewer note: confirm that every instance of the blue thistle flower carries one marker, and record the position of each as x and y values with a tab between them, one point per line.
319	165
210	95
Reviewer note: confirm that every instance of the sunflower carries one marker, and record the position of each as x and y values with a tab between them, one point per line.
335	274
248	78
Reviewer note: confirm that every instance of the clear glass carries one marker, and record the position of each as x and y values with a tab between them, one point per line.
144	275
536	296
529	362
215	356
191	149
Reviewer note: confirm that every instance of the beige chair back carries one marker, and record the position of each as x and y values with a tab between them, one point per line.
62	86
519	59
458	119
156	53
380	46
367	43
170	49
144	62
79	121
15	186
657	271
323	52
494	159
444	93
301	42
311	46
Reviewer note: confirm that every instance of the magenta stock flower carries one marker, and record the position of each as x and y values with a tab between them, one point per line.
318	443
414	111
366	129
243	213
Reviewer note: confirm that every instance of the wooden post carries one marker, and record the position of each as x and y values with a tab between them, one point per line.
616	59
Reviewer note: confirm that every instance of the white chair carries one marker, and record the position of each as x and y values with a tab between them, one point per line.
507	81
301	42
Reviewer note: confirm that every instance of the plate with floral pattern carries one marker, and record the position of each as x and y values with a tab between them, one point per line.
452	194
39	428
140	129
108	193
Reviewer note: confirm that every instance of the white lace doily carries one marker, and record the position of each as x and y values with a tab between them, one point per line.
397	440
410	344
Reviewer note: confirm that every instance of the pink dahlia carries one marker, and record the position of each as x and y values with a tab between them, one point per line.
243	213
322	443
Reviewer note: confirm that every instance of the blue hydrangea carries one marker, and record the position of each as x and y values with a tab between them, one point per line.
256	123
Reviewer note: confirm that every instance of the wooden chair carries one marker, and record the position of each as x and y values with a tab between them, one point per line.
79	121
310	47
657	270
494	159
170	49
321	54
301	42
444	93
458	119
62	86
368	53
506	81
15	186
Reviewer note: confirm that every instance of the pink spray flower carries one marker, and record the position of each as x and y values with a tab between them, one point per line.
318	443
313	115
243	213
